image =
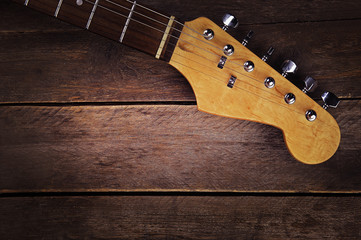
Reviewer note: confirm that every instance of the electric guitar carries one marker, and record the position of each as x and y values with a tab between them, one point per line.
227	79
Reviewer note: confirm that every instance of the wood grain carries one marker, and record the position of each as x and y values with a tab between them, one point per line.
258	12
77	152
310	142
172	217
64	64
157	148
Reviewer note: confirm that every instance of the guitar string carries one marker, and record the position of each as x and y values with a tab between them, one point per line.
137	4
235	86
99	5
242	89
247	76
207	59
264	90
164	24
178	39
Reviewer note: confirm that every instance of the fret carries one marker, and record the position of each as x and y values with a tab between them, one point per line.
45	6
127	22
76	14
92	14
58	8
124	21
110	18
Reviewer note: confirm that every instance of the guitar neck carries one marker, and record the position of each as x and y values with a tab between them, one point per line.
125	21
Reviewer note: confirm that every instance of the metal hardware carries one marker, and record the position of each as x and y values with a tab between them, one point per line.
310	84
247	38
222	61
58	8
79	2
288	67
231	82
248	66
269	82
268	54
228	50
330	100
127	22
208	34
229	21
290	98
92	14
311	115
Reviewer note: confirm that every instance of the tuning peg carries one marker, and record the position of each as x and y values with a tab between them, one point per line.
288	67
247	38
229	21
330	100
268	54
310	84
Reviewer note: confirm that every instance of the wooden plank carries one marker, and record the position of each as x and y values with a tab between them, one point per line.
255	12
163	148
76	66
82	67
180	217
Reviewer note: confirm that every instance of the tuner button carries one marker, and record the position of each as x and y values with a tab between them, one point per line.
248	66
290	98
268	54
311	115
228	50
330	100
310	84
229	21
269	82
288	67
208	34
247	38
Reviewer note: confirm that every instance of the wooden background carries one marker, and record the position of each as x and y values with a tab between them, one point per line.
99	141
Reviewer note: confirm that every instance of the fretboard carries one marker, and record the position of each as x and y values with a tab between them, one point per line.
125	21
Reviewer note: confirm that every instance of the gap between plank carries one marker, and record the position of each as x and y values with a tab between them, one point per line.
76	104
173	192
141	103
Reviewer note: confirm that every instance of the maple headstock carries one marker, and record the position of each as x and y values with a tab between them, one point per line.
236	86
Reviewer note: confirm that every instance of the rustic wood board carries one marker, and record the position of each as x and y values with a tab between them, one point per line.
181	217
164	147
59	63
113	137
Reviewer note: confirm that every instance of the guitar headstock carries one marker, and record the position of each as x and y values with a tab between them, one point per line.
229	80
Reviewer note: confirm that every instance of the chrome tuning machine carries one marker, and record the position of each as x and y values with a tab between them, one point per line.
310	84
330	100
247	38
288	67
229	21
268	54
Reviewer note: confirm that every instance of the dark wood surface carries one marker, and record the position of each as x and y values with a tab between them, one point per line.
181	217
100	141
